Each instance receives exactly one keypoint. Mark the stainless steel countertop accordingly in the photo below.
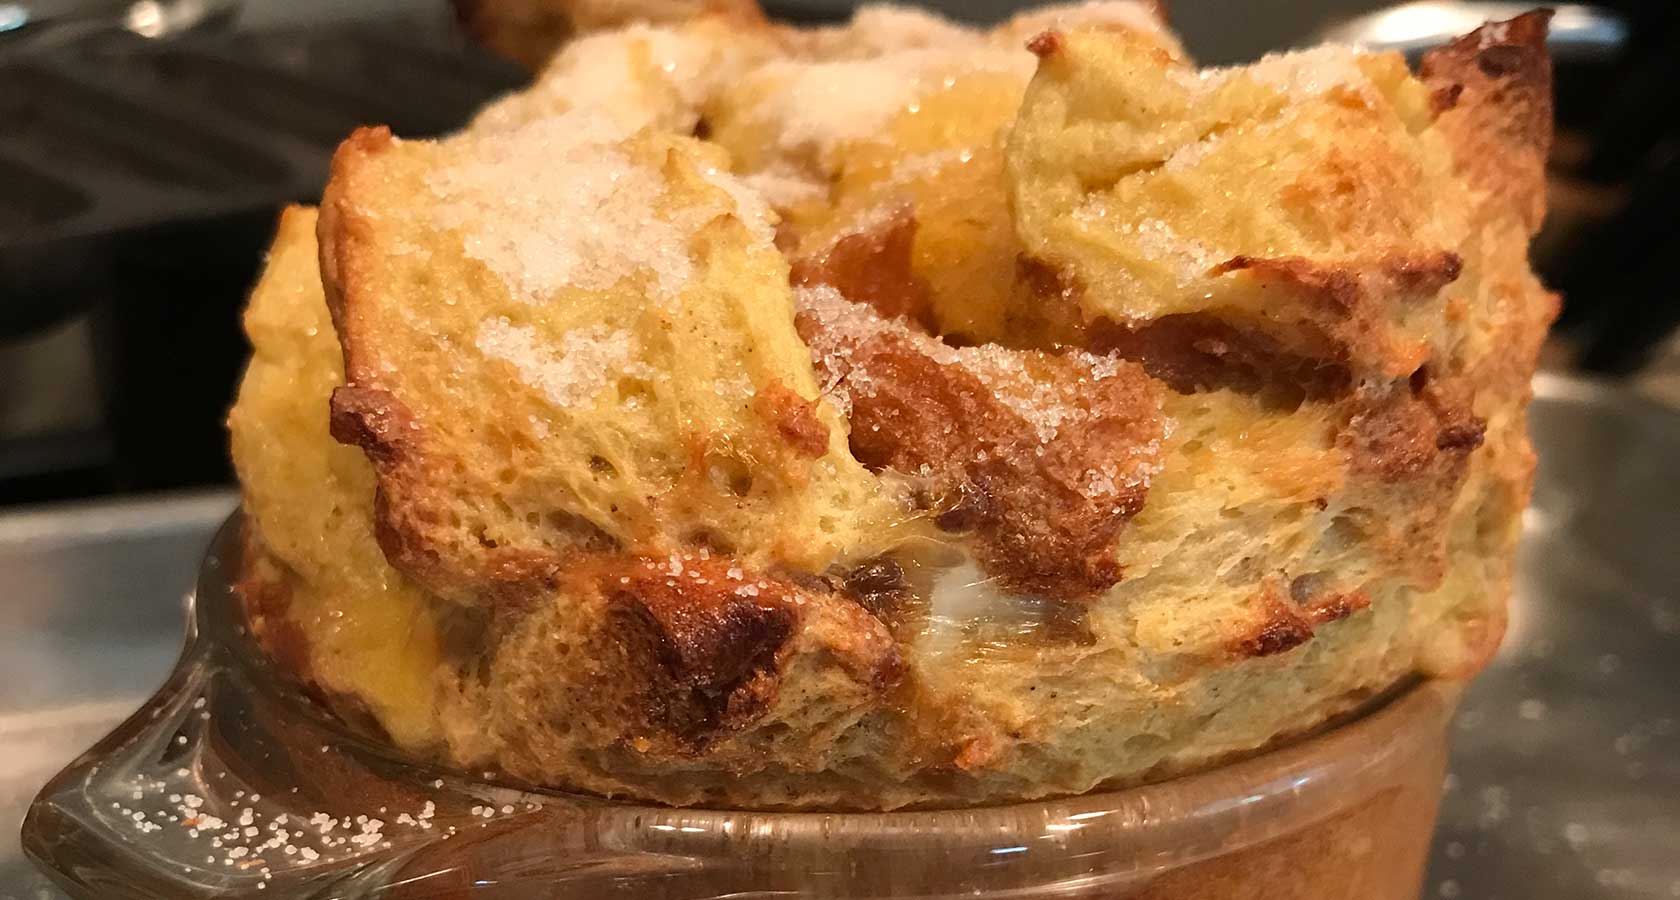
(1566, 766)
(91, 619)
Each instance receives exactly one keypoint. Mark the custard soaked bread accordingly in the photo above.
(912, 415)
(557, 340)
(883, 150)
(320, 593)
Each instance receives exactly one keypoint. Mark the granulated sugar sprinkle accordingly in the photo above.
(816, 107)
(1045, 405)
(563, 202)
(571, 370)
(261, 841)
(558, 203)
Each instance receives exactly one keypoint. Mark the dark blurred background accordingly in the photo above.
(145, 147)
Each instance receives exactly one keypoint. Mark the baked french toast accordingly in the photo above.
(902, 414)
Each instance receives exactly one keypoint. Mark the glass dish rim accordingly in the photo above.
(219, 621)
(1174, 822)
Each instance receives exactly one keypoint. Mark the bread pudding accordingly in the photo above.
(902, 413)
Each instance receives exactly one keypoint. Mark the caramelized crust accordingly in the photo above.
(375, 421)
(1041, 485)
(1299, 199)
(1195, 352)
(1499, 125)
(873, 265)
(1289, 617)
(1337, 314)
(1406, 435)
(662, 663)
(1343, 308)
(705, 640)
(1045, 44)
(1409, 452)
(1494, 87)
(794, 418)
(266, 592)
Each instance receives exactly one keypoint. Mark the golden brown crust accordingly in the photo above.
(1495, 101)
(337, 229)
(1194, 352)
(263, 588)
(707, 644)
(410, 529)
(1499, 126)
(1287, 617)
(1408, 454)
(1347, 306)
(691, 414)
(1403, 435)
(794, 418)
(1041, 503)
(1125, 178)
(1319, 325)
(1045, 44)
(1278, 628)
(375, 421)
(411, 519)
(873, 265)
(687, 662)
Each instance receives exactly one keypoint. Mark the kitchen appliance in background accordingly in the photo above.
(145, 149)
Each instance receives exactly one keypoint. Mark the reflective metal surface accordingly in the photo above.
(1566, 764)
(1566, 753)
(51, 22)
(90, 622)
(1578, 30)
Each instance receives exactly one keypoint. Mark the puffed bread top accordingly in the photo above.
(903, 414)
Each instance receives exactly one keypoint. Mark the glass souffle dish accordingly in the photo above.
(231, 782)
(903, 460)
